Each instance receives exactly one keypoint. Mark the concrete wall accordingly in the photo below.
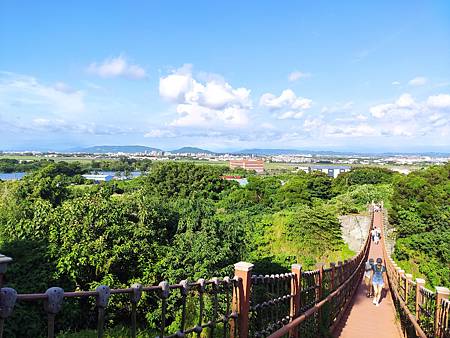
(354, 230)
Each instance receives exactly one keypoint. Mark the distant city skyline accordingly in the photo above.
(353, 76)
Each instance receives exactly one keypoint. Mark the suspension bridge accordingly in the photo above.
(319, 303)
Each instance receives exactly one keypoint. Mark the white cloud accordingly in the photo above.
(361, 117)
(400, 130)
(338, 108)
(380, 110)
(287, 99)
(23, 90)
(296, 75)
(201, 116)
(403, 107)
(213, 102)
(418, 81)
(353, 131)
(290, 114)
(117, 67)
(407, 117)
(63, 126)
(405, 101)
(395, 83)
(64, 87)
(159, 133)
(312, 124)
(439, 101)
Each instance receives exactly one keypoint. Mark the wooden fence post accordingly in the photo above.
(441, 293)
(241, 298)
(333, 268)
(345, 269)
(320, 289)
(296, 287)
(4, 260)
(400, 273)
(419, 283)
(408, 281)
(319, 294)
(339, 274)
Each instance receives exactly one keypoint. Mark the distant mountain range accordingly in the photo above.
(191, 150)
(256, 151)
(138, 149)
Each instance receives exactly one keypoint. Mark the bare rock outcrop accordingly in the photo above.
(354, 230)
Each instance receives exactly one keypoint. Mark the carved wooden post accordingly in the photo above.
(241, 298)
(333, 268)
(441, 293)
(296, 287)
(3, 266)
(419, 283)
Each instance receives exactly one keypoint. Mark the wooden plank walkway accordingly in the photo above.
(363, 319)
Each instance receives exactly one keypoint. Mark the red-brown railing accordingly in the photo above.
(423, 313)
(301, 303)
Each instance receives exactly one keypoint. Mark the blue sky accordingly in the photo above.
(353, 75)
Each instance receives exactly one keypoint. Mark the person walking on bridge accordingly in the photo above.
(377, 236)
(368, 277)
(378, 280)
(373, 233)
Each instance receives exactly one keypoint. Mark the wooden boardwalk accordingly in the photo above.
(363, 319)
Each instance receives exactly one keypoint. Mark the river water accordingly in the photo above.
(20, 175)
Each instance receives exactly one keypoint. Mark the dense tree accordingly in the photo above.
(363, 175)
(421, 216)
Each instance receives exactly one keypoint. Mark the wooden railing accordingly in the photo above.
(317, 299)
(423, 313)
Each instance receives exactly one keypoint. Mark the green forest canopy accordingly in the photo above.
(182, 220)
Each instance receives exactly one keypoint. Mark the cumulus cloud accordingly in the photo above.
(207, 103)
(404, 107)
(405, 101)
(418, 81)
(296, 75)
(439, 101)
(287, 99)
(395, 83)
(117, 67)
(406, 117)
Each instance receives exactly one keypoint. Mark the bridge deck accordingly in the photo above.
(364, 319)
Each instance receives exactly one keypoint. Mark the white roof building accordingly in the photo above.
(98, 177)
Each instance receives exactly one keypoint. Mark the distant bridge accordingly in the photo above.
(297, 304)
